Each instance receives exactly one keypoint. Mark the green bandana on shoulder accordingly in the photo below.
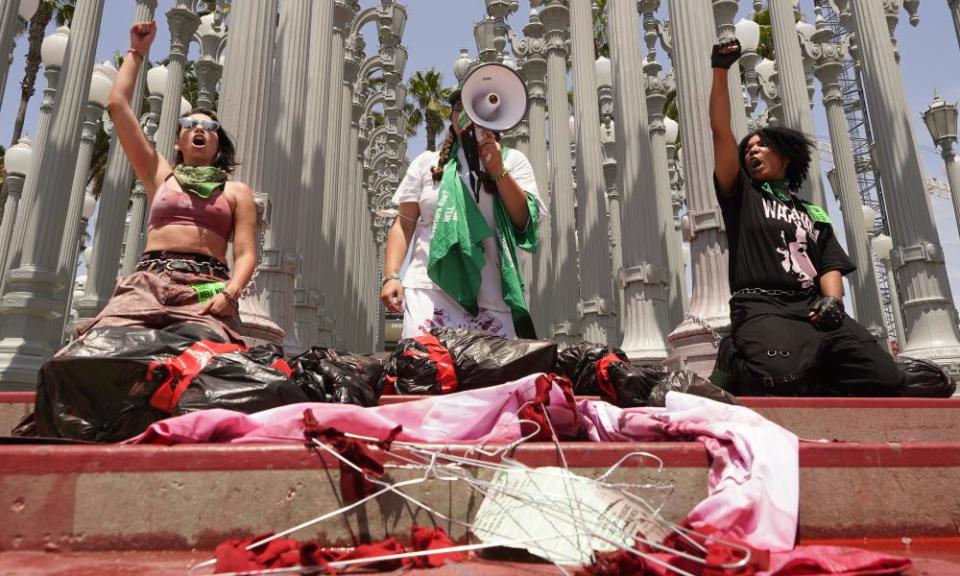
(200, 180)
(817, 213)
(456, 252)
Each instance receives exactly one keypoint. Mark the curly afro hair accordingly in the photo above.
(791, 144)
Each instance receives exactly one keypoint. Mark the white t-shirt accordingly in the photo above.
(418, 186)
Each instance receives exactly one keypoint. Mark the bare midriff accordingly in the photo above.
(187, 238)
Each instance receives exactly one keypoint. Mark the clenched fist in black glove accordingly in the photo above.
(725, 53)
(827, 313)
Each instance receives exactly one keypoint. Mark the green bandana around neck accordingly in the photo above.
(200, 180)
(456, 252)
(779, 189)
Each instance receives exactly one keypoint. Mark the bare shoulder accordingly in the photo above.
(239, 192)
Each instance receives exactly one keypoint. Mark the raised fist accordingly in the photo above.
(725, 53)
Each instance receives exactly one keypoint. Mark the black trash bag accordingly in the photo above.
(328, 375)
(687, 382)
(454, 359)
(96, 389)
(631, 383)
(925, 379)
(482, 359)
(578, 362)
(245, 381)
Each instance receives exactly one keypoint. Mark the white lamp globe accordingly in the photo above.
(157, 80)
(54, 47)
(748, 33)
(604, 72)
(869, 217)
(882, 246)
(672, 129)
(89, 205)
(185, 107)
(18, 157)
(100, 86)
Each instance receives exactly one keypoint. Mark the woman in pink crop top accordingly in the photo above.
(195, 211)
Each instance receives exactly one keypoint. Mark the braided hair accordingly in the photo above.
(489, 185)
(445, 149)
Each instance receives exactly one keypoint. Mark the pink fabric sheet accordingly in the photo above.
(754, 473)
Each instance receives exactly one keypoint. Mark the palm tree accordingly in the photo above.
(601, 45)
(430, 98)
(61, 11)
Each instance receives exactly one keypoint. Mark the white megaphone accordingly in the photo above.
(494, 97)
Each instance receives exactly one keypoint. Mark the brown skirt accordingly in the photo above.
(161, 294)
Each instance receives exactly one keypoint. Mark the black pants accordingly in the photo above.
(774, 350)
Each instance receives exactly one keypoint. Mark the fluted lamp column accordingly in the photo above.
(793, 88)
(645, 308)
(929, 312)
(100, 85)
(863, 282)
(134, 234)
(52, 53)
(29, 305)
(11, 13)
(16, 162)
(211, 37)
(246, 98)
(955, 13)
(694, 341)
(115, 198)
(597, 306)
(278, 268)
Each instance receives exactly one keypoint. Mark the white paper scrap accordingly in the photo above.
(571, 516)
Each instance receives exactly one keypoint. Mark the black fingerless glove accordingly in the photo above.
(829, 311)
(725, 60)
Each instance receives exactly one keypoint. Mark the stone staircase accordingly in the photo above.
(873, 469)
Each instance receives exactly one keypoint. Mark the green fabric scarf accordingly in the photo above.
(779, 189)
(456, 252)
(200, 180)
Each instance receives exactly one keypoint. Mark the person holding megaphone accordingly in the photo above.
(466, 210)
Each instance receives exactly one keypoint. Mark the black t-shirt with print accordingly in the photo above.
(776, 245)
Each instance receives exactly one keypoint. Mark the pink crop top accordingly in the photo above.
(172, 206)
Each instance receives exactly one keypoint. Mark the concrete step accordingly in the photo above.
(849, 419)
(929, 559)
(186, 497)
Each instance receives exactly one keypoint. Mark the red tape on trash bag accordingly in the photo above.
(179, 371)
(442, 359)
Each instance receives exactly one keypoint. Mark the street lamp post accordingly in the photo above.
(115, 198)
(89, 206)
(863, 283)
(12, 11)
(17, 164)
(133, 239)
(556, 20)
(748, 33)
(29, 303)
(211, 36)
(100, 85)
(52, 52)
(928, 308)
(941, 121)
(599, 318)
(694, 341)
(882, 246)
(641, 276)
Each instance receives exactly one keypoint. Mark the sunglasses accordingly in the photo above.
(191, 123)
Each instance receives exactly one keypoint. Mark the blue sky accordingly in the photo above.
(437, 29)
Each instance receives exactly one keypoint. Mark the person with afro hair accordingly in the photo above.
(790, 335)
